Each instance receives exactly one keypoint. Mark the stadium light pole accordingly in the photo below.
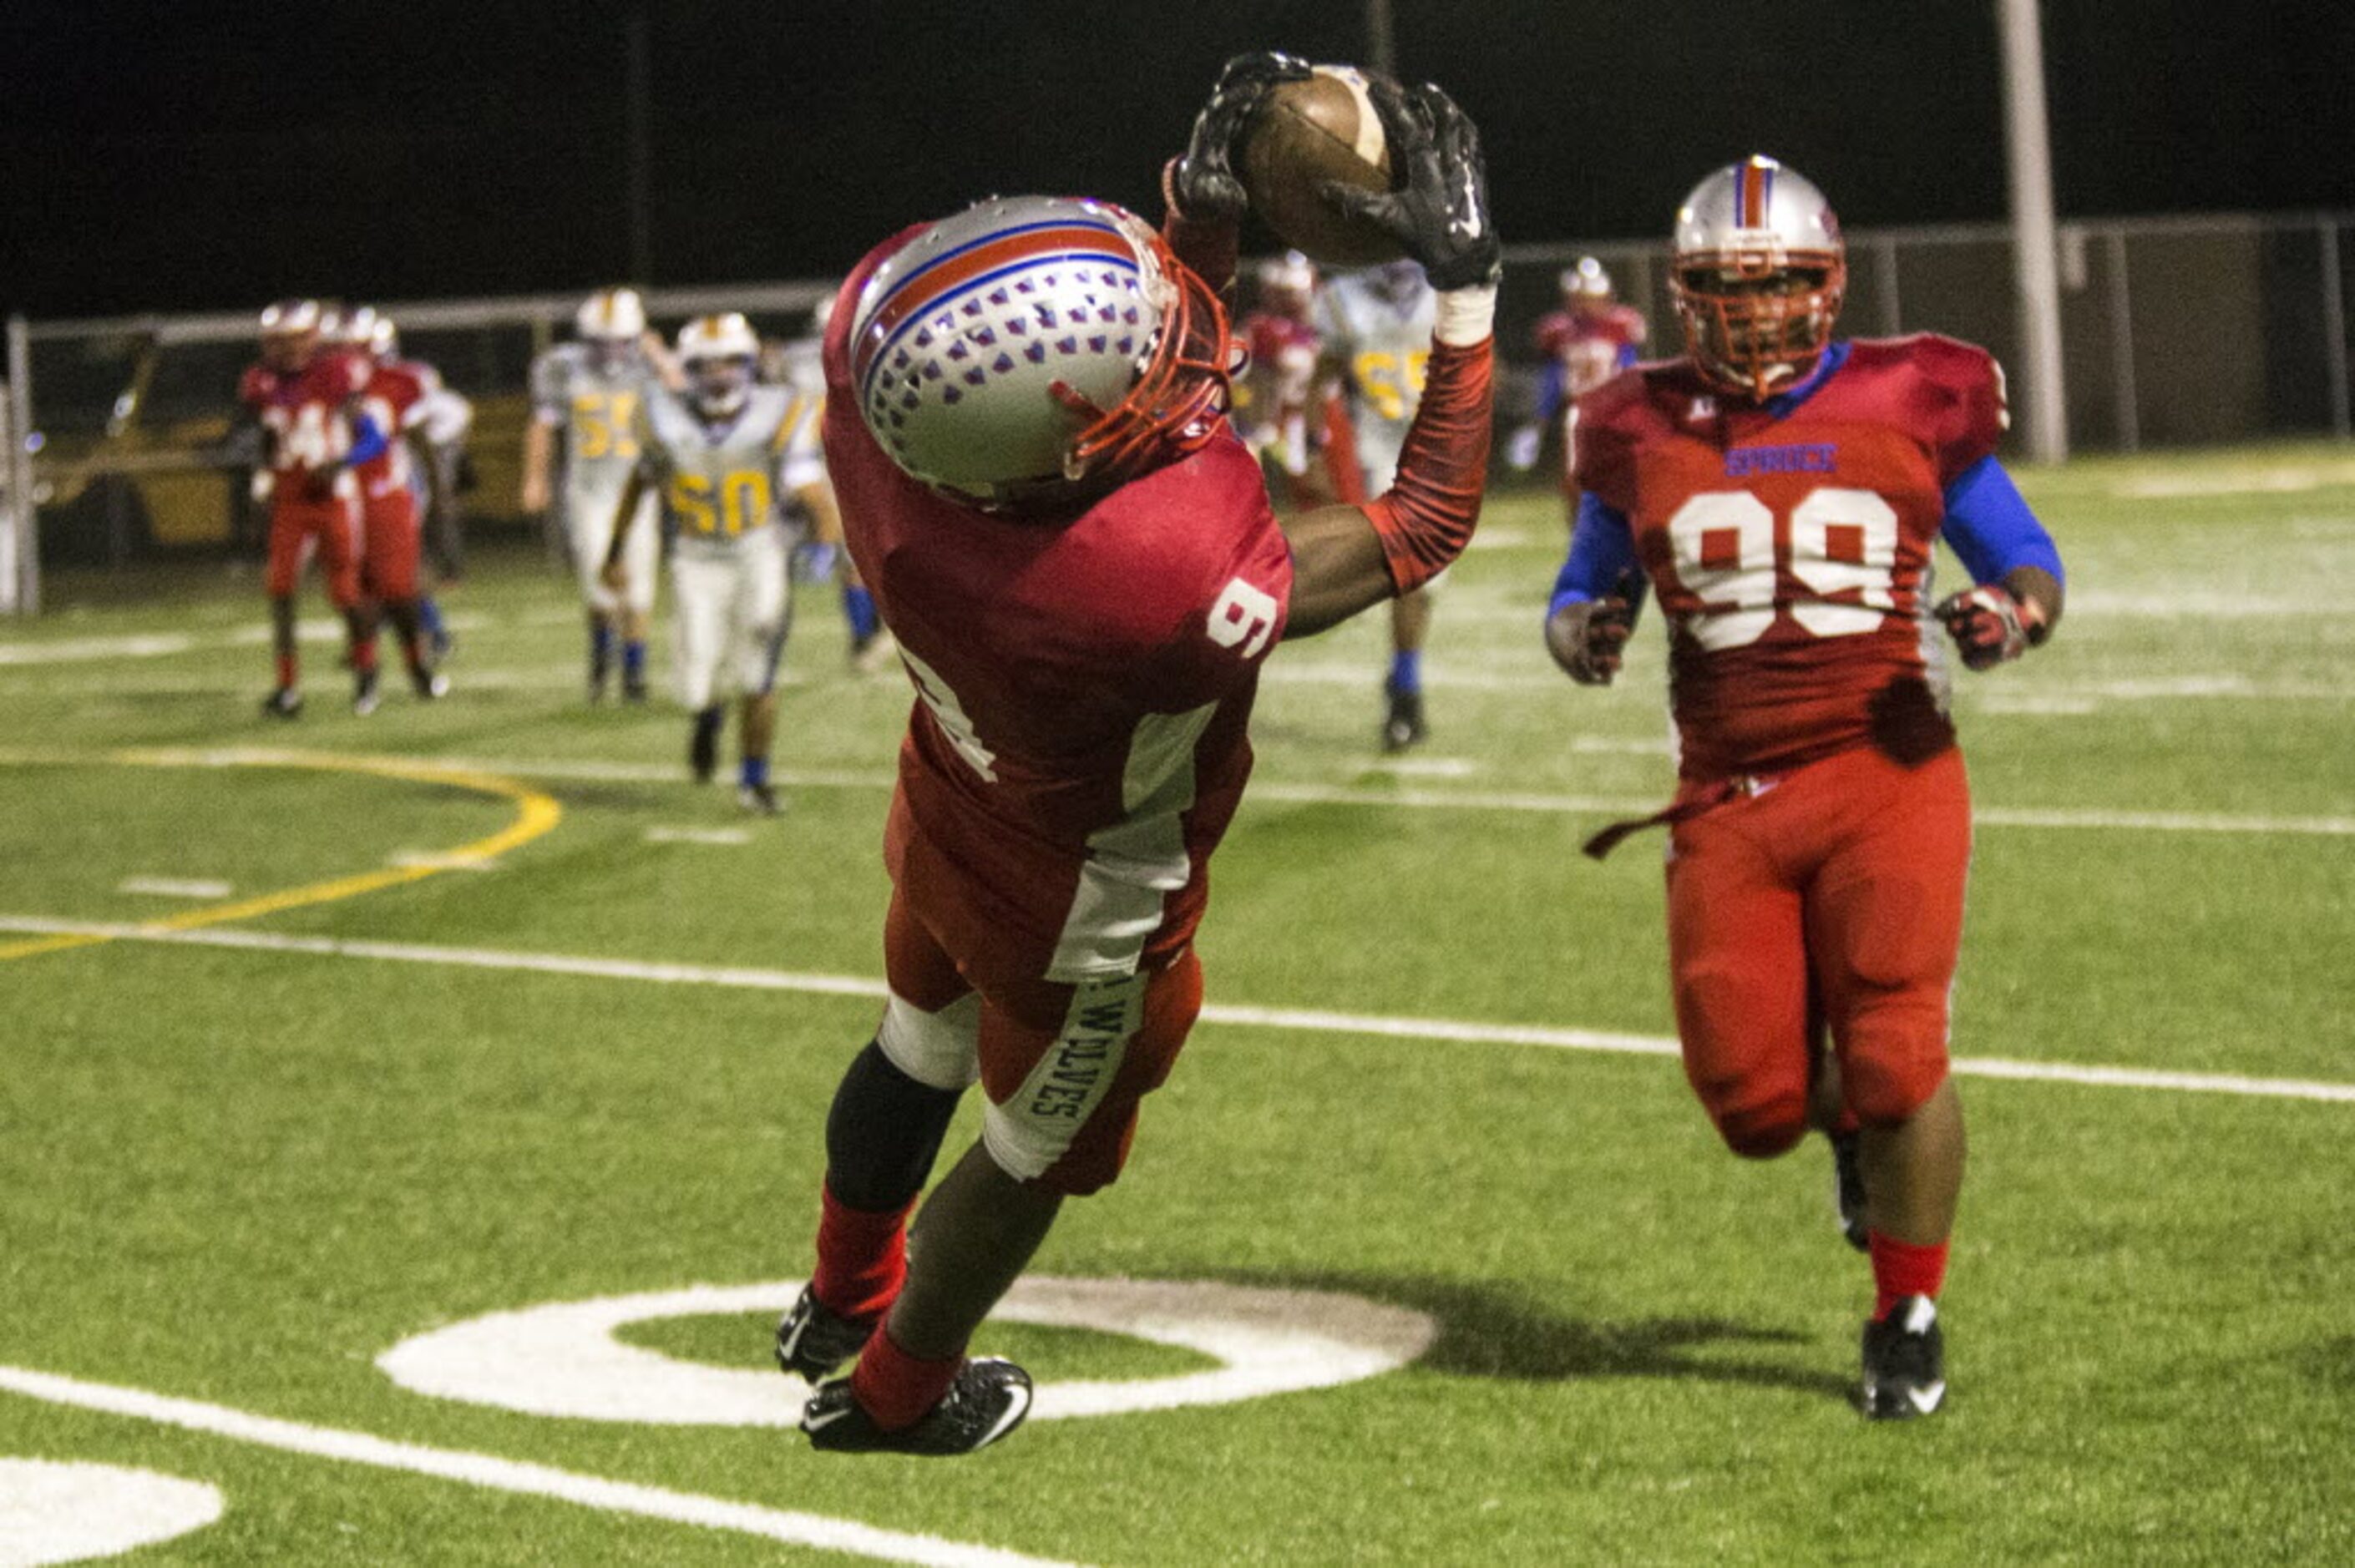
(2034, 235)
(21, 543)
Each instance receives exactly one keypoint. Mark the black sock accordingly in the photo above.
(883, 1132)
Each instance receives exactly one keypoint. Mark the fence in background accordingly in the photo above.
(2176, 331)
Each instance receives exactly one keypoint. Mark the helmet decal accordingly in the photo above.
(1030, 347)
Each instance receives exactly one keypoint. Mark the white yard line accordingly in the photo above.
(715, 836)
(1265, 789)
(1305, 1019)
(174, 886)
(517, 1475)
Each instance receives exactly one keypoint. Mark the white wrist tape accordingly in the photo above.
(1465, 317)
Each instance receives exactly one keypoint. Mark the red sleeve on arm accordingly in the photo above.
(1207, 248)
(1971, 413)
(1425, 518)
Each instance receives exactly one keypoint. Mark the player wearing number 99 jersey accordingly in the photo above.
(1783, 494)
(1025, 427)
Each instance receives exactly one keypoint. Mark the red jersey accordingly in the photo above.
(1085, 685)
(258, 386)
(1591, 347)
(1282, 366)
(394, 391)
(1791, 551)
(306, 413)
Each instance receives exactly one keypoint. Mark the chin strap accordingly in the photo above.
(1426, 516)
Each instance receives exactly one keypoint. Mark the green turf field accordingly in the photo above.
(325, 1036)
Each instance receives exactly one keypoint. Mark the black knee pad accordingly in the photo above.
(883, 1132)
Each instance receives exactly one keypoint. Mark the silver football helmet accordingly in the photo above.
(1032, 351)
(1587, 282)
(1757, 269)
(610, 315)
(719, 353)
(1287, 283)
(289, 330)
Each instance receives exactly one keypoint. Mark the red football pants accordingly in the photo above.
(1832, 901)
(295, 521)
(1065, 1066)
(394, 543)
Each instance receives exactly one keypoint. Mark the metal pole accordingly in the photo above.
(2334, 327)
(1381, 50)
(637, 92)
(20, 537)
(1891, 316)
(2029, 138)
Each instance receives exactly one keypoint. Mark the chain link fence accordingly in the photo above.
(2176, 331)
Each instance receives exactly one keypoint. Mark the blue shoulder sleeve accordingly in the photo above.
(369, 442)
(1990, 527)
(1602, 551)
(1554, 385)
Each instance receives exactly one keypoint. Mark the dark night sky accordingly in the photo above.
(157, 157)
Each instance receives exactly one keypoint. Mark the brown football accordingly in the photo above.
(1321, 128)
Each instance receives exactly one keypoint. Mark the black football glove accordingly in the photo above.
(1204, 181)
(1989, 625)
(1438, 212)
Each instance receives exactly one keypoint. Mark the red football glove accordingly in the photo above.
(1989, 625)
(1587, 639)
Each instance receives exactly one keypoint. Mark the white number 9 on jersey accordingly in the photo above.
(1243, 617)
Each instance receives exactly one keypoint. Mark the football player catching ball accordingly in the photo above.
(1780, 492)
(1026, 425)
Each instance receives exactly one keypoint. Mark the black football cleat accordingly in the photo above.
(634, 688)
(813, 1338)
(988, 1399)
(430, 684)
(1904, 1362)
(365, 697)
(759, 799)
(1403, 725)
(1848, 1189)
(286, 703)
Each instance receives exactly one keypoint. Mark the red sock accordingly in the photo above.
(1901, 1270)
(363, 655)
(862, 1257)
(897, 1388)
(289, 671)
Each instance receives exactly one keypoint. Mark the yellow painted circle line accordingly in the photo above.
(536, 814)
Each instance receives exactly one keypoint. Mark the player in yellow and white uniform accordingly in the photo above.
(740, 477)
(1374, 330)
(590, 395)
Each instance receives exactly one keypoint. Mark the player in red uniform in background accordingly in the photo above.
(1783, 494)
(308, 396)
(390, 529)
(1285, 414)
(1590, 339)
(1025, 428)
